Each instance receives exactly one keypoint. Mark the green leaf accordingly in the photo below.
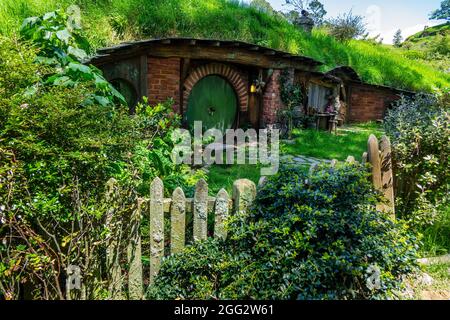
(102, 100)
(79, 54)
(64, 81)
(21, 247)
(100, 82)
(49, 15)
(29, 22)
(46, 60)
(118, 95)
(64, 35)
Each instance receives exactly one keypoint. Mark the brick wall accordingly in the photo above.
(272, 98)
(164, 80)
(369, 102)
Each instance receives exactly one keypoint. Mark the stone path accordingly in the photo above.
(285, 159)
(302, 160)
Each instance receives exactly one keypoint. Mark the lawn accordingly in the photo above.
(350, 140)
(223, 176)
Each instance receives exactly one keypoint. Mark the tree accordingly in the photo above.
(398, 38)
(314, 7)
(347, 26)
(443, 12)
(292, 16)
(317, 12)
(299, 5)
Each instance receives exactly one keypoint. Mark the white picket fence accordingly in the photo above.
(244, 191)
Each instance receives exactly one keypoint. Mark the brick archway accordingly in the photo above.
(228, 72)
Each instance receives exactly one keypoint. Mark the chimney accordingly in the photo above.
(305, 22)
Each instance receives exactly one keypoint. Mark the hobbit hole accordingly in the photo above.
(230, 84)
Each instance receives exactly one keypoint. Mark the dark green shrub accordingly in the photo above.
(199, 272)
(419, 129)
(63, 135)
(307, 237)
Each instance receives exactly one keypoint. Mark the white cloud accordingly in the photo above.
(406, 32)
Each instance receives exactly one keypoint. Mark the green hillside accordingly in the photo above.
(428, 36)
(107, 22)
(430, 46)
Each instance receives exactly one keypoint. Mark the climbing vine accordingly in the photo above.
(292, 97)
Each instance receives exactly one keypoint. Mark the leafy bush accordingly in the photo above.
(153, 156)
(307, 237)
(436, 238)
(420, 129)
(63, 135)
(347, 26)
(199, 272)
(292, 96)
(57, 154)
(62, 45)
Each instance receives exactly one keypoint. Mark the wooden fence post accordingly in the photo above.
(135, 284)
(364, 158)
(113, 241)
(221, 214)
(156, 227)
(201, 210)
(351, 159)
(244, 192)
(333, 163)
(374, 159)
(177, 221)
(382, 176)
(387, 177)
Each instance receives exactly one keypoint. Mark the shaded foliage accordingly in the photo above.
(420, 129)
(307, 237)
(60, 143)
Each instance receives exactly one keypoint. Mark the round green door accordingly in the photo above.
(212, 101)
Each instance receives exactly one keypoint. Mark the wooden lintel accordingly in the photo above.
(206, 52)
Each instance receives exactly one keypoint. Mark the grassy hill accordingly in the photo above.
(428, 36)
(107, 22)
(430, 46)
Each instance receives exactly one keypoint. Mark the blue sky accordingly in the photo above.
(383, 16)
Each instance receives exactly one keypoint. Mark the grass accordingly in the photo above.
(439, 289)
(223, 176)
(428, 34)
(350, 141)
(431, 46)
(436, 238)
(108, 22)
